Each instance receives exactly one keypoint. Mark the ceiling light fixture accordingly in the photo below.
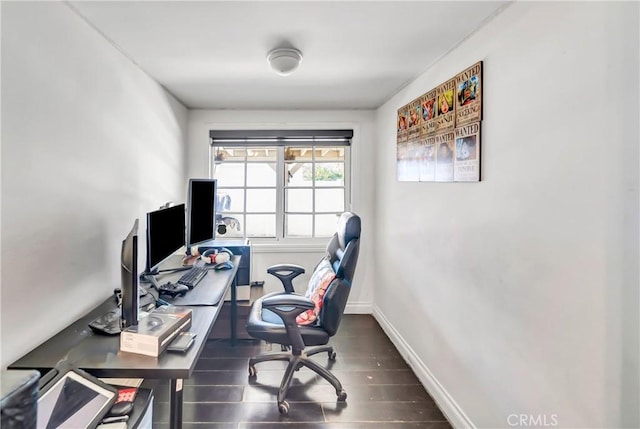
(284, 61)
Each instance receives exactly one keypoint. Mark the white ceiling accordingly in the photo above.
(212, 54)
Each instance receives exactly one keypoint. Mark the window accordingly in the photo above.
(281, 184)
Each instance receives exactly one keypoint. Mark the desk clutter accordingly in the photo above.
(111, 322)
(170, 229)
(153, 334)
(67, 397)
(148, 319)
(120, 411)
(100, 354)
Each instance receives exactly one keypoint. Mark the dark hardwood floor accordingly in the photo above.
(383, 392)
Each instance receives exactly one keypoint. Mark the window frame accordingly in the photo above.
(281, 187)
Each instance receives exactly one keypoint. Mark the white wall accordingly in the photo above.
(519, 294)
(362, 190)
(89, 143)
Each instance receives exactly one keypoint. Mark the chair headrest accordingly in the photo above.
(348, 228)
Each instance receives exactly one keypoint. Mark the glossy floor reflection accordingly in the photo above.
(383, 392)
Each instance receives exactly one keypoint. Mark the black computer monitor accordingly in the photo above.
(201, 211)
(165, 235)
(129, 277)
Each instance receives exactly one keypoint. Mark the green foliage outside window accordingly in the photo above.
(324, 174)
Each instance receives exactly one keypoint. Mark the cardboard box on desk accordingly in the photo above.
(154, 333)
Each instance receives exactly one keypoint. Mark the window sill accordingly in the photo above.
(279, 247)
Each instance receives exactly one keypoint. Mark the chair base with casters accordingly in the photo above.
(274, 317)
(295, 363)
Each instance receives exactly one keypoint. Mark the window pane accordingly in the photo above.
(261, 200)
(262, 154)
(261, 225)
(329, 200)
(299, 174)
(329, 153)
(326, 225)
(230, 174)
(232, 222)
(315, 185)
(261, 174)
(221, 153)
(329, 174)
(230, 200)
(299, 200)
(299, 225)
(298, 154)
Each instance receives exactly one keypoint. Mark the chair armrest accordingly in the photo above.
(288, 307)
(286, 273)
(288, 300)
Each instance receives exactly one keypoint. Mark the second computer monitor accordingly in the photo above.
(129, 277)
(201, 211)
(165, 234)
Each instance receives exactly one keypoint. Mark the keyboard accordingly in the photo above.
(192, 277)
(108, 323)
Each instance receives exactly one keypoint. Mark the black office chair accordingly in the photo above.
(273, 317)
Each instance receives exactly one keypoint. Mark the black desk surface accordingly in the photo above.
(200, 295)
(100, 355)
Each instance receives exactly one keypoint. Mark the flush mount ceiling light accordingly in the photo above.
(284, 61)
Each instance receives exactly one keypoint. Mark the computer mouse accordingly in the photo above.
(223, 266)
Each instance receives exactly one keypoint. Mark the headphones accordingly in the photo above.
(216, 256)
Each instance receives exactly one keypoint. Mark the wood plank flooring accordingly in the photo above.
(383, 392)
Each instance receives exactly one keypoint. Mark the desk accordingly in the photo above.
(100, 355)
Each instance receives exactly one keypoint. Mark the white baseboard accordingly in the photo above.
(358, 307)
(446, 403)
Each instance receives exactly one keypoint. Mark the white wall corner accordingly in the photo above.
(449, 407)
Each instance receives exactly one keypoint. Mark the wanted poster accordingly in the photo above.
(427, 106)
(412, 161)
(428, 159)
(445, 106)
(444, 156)
(403, 123)
(401, 165)
(469, 95)
(415, 114)
(467, 153)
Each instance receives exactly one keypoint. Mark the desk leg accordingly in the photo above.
(175, 404)
(234, 311)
